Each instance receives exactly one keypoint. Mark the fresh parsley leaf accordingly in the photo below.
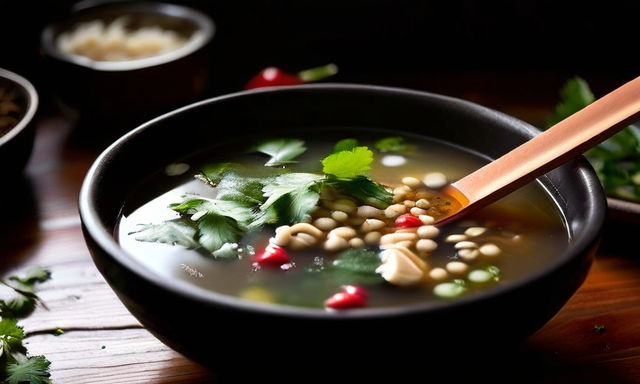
(574, 96)
(345, 145)
(11, 335)
(35, 274)
(282, 151)
(241, 188)
(238, 211)
(215, 230)
(365, 190)
(392, 144)
(355, 266)
(292, 195)
(348, 164)
(34, 370)
(175, 232)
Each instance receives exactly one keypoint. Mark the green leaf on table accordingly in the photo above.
(348, 164)
(11, 335)
(365, 190)
(392, 144)
(34, 370)
(16, 295)
(35, 274)
(574, 96)
(282, 151)
(355, 266)
(179, 231)
(345, 145)
(292, 195)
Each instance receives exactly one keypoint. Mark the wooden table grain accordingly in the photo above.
(103, 343)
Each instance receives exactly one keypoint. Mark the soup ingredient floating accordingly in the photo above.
(273, 77)
(115, 42)
(361, 233)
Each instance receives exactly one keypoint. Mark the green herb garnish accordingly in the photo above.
(246, 202)
(282, 151)
(15, 366)
(355, 266)
(348, 164)
(33, 370)
(392, 144)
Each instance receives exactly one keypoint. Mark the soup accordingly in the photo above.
(334, 223)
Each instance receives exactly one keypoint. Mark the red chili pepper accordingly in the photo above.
(273, 77)
(272, 256)
(355, 289)
(345, 300)
(408, 221)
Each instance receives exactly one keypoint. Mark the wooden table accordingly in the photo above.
(103, 343)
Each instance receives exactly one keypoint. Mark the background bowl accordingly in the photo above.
(214, 329)
(17, 143)
(132, 90)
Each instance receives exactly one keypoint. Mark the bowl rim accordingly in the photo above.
(204, 34)
(104, 238)
(32, 104)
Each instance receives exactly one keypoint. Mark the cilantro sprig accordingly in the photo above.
(246, 199)
(18, 300)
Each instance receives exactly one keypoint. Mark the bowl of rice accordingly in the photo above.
(127, 60)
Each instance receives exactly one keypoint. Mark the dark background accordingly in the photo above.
(386, 41)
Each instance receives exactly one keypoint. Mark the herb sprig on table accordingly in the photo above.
(17, 300)
(247, 200)
(617, 159)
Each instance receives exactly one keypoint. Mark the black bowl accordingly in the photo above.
(17, 143)
(215, 329)
(131, 90)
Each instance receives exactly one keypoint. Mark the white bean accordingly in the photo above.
(356, 242)
(372, 238)
(468, 254)
(344, 232)
(368, 212)
(457, 267)
(343, 206)
(426, 245)
(465, 244)
(355, 221)
(427, 231)
(435, 180)
(395, 210)
(475, 231)
(339, 216)
(325, 223)
(415, 211)
(306, 228)
(409, 203)
(456, 238)
(490, 249)
(372, 225)
(423, 203)
(335, 243)
(411, 182)
(298, 243)
(392, 238)
(399, 269)
(407, 252)
(426, 219)
(310, 239)
(438, 274)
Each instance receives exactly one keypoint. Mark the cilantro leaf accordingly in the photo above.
(292, 195)
(345, 145)
(348, 164)
(282, 151)
(392, 144)
(365, 190)
(235, 210)
(175, 232)
(215, 230)
(15, 304)
(34, 370)
(241, 188)
(35, 274)
(11, 335)
(212, 174)
(575, 95)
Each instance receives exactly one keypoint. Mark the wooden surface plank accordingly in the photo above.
(46, 231)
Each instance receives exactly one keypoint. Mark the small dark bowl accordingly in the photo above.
(17, 143)
(130, 90)
(215, 329)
